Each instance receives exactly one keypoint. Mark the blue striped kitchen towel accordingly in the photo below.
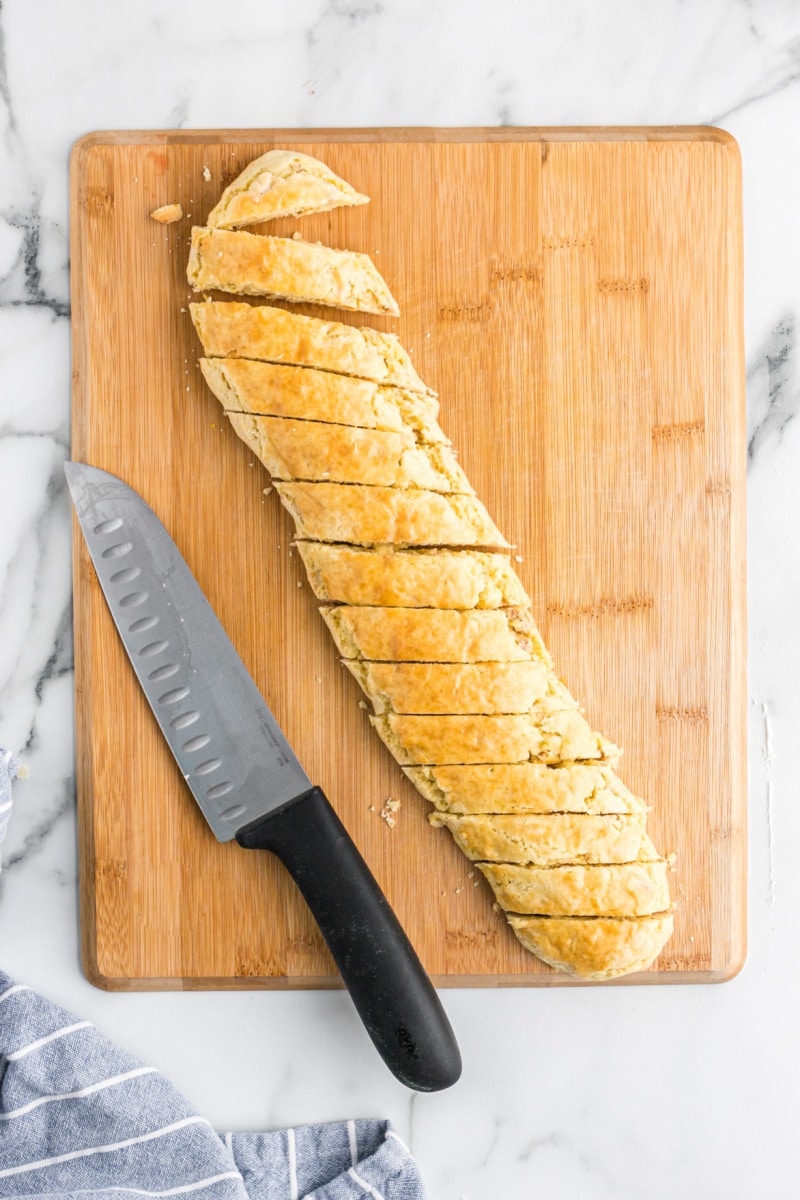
(81, 1118)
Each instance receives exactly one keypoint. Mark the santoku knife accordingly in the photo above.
(245, 777)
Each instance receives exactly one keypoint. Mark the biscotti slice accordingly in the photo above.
(549, 841)
(440, 740)
(435, 635)
(493, 687)
(384, 576)
(594, 948)
(336, 512)
(524, 788)
(315, 450)
(272, 390)
(631, 889)
(252, 264)
(230, 329)
(281, 183)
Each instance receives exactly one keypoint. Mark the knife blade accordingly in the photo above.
(246, 778)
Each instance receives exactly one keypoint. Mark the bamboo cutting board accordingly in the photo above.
(575, 297)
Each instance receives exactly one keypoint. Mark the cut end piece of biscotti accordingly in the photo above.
(252, 264)
(441, 740)
(307, 394)
(550, 840)
(491, 687)
(365, 515)
(525, 787)
(320, 451)
(435, 635)
(385, 576)
(631, 889)
(594, 948)
(281, 183)
(232, 329)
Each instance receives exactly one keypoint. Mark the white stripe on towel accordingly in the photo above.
(181, 1189)
(17, 987)
(362, 1183)
(108, 1149)
(292, 1149)
(86, 1091)
(51, 1037)
(391, 1133)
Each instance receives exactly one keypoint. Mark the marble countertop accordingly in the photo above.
(595, 1093)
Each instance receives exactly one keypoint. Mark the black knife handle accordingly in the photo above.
(389, 987)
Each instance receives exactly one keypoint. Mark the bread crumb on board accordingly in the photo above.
(388, 811)
(167, 213)
(207, 174)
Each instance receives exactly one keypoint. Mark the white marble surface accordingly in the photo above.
(627, 1092)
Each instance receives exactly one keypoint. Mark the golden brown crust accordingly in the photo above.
(594, 948)
(361, 515)
(252, 264)
(435, 635)
(633, 889)
(464, 696)
(524, 787)
(440, 740)
(551, 840)
(167, 214)
(281, 183)
(491, 687)
(231, 329)
(411, 578)
(316, 450)
(273, 390)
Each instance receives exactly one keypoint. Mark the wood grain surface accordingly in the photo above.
(575, 297)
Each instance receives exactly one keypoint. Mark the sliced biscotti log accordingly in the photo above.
(440, 740)
(384, 576)
(435, 635)
(281, 183)
(550, 840)
(230, 329)
(341, 512)
(252, 264)
(525, 788)
(273, 390)
(491, 687)
(316, 450)
(594, 948)
(631, 889)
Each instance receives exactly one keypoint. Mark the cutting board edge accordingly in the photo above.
(449, 982)
(736, 958)
(405, 133)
